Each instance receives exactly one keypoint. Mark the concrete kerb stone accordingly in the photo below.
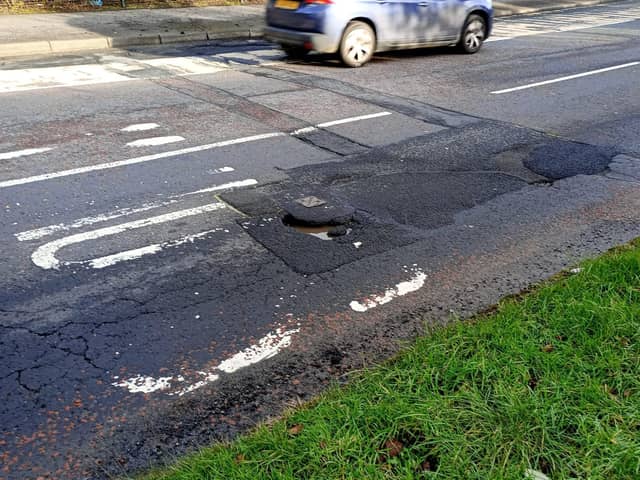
(138, 40)
(24, 48)
(63, 46)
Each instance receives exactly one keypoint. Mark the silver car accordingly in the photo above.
(356, 29)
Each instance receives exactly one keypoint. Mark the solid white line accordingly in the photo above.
(352, 119)
(140, 127)
(570, 77)
(303, 130)
(23, 153)
(153, 141)
(224, 186)
(44, 256)
(41, 232)
(132, 161)
(109, 260)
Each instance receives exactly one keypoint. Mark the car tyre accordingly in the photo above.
(358, 44)
(473, 35)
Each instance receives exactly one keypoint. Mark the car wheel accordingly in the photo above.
(358, 44)
(473, 34)
(294, 52)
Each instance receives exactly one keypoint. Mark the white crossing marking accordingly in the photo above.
(24, 153)
(44, 256)
(553, 22)
(155, 141)
(139, 127)
(564, 79)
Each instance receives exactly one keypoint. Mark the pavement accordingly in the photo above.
(61, 33)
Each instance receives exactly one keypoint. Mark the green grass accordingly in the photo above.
(549, 381)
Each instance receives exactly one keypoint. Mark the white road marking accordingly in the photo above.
(136, 160)
(41, 232)
(352, 119)
(300, 131)
(94, 74)
(267, 347)
(109, 260)
(186, 65)
(240, 183)
(173, 153)
(139, 127)
(153, 141)
(24, 153)
(52, 77)
(144, 384)
(553, 22)
(564, 79)
(44, 256)
(402, 288)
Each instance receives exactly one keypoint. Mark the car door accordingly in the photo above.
(401, 22)
(445, 19)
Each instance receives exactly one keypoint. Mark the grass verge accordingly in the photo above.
(548, 382)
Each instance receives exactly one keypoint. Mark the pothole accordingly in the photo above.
(323, 232)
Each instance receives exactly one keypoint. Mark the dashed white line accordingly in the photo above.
(139, 127)
(44, 256)
(174, 153)
(154, 141)
(24, 153)
(564, 79)
(136, 160)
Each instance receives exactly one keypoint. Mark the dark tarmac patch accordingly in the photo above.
(308, 254)
(561, 159)
(426, 200)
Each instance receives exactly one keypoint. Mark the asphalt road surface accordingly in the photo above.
(156, 294)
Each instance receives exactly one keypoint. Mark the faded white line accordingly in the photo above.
(144, 384)
(136, 160)
(402, 288)
(41, 232)
(353, 119)
(300, 131)
(155, 141)
(44, 256)
(267, 347)
(564, 79)
(184, 151)
(139, 127)
(240, 183)
(109, 260)
(24, 153)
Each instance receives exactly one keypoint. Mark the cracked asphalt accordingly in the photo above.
(159, 304)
